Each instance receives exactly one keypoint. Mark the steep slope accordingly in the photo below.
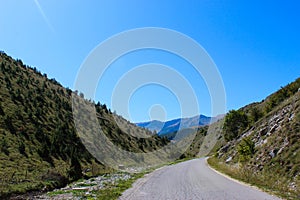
(261, 142)
(39, 145)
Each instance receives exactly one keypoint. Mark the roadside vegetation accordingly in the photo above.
(110, 187)
(268, 181)
(261, 143)
(105, 187)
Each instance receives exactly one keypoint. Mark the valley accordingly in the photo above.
(137, 100)
(41, 150)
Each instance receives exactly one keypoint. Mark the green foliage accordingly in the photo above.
(9, 124)
(246, 149)
(75, 171)
(196, 144)
(255, 115)
(266, 180)
(4, 146)
(22, 148)
(1, 110)
(298, 117)
(37, 131)
(281, 95)
(274, 163)
(115, 191)
(235, 123)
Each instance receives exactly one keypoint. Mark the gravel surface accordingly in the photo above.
(84, 186)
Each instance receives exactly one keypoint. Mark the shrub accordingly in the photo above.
(235, 123)
(246, 149)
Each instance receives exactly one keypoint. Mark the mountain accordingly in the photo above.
(260, 142)
(163, 128)
(40, 147)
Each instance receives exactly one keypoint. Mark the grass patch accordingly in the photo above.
(115, 191)
(265, 180)
(85, 184)
(57, 192)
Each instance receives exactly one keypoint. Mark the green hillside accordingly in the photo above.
(261, 143)
(39, 147)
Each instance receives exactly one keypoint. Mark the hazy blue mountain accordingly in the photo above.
(181, 123)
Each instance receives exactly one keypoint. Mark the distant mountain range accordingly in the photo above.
(181, 123)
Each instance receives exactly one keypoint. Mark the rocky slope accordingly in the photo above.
(267, 150)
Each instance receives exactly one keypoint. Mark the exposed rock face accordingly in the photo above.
(276, 137)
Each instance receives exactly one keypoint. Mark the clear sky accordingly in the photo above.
(255, 45)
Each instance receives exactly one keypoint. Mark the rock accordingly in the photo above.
(80, 188)
(291, 117)
(279, 120)
(220, 155)
(273, 153)
(228, 159)
(280, 150)
(92, 184)
(263, 131)
(265, 141)
(272, 130)
(87, 170)
(225, 148)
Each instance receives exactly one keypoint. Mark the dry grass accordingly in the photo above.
(267, 181)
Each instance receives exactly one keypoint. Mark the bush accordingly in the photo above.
(4, 146)
(246, 149)
(235, 123)
(255, 115)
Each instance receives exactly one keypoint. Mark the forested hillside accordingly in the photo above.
(39, 146)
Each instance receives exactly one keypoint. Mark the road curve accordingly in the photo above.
(191, 180)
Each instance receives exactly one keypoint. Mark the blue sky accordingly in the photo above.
(255, 45)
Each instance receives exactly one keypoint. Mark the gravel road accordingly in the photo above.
(191, 180)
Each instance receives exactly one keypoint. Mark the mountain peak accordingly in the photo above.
(180, 123)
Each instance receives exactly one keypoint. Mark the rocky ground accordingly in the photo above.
(82, 189)
(85, 188)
